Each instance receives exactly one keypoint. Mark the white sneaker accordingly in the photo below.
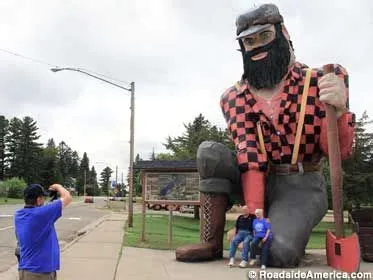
(243, 264)
(263, 266)
(252, 262)
(231, 262)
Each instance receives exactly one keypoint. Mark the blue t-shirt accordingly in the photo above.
(37, 238)
(261, 227)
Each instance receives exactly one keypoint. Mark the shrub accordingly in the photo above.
(14, 186)
(3, 190)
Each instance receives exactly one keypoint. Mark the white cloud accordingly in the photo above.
(181, 54)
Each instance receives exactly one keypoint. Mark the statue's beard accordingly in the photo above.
(268, 72)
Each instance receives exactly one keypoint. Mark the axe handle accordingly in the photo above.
(335, 162)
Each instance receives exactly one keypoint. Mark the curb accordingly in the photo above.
(120, 255)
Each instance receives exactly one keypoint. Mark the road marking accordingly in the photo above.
(6, 228)
(6, 216)
(73, 218)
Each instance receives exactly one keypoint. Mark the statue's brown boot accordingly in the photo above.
(213, 207)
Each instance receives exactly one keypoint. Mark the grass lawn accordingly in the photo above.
(11, 201)
(78, 198)
(21, 201)
(186, 231)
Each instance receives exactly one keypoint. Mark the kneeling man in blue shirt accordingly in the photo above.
(36, 235)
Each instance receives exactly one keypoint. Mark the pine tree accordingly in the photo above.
(30, 150)
(186, 146)
(23, 149)
(49, 169)
(105, 179)
(64, 163)
(83, 174)
(13, 144)
(92, 188)
(74, 167)
(358, 177)
(3, 132)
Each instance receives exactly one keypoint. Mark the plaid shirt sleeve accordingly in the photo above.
(346, 123)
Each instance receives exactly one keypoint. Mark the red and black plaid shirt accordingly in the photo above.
(242, 112)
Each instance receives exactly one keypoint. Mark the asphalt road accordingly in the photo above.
(75, 217)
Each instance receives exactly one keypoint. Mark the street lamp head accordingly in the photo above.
(56, 69)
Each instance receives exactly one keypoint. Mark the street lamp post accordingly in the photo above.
(132, 131)
(132, 142)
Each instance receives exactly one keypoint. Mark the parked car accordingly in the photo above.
(158, 207)
(186, 209)
(116, 198)
(88, 199)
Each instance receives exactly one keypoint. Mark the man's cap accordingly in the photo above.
(257, 19)
(34, 191)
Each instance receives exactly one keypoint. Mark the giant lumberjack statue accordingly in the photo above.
(276, 117)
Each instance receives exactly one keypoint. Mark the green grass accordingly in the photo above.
(317, 239)
(78, 198)
(11, 201)
(21, 201)
(186, 231)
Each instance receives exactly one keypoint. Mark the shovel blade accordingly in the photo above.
(343, 253)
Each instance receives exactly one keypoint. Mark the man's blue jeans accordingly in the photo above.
(242, 236)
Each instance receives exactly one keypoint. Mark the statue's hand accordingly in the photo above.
(333, 92)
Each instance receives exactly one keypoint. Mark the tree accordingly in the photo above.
(13, 140)
(3, 132)
(358, 177)
(137, 187)
(23, 149)
(137, 158)
(49, 171)
(92, 187)
(185, 147)
(105, 179)
(30, 150)
(21, 156)
(74, 167)
(164, 156)
(152, 155)
(14, 187)
(83, 174)
(65, 162)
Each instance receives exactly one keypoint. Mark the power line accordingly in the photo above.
(105, 76)
(28, 58)
(39, 61)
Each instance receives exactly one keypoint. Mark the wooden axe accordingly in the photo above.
(343, 253)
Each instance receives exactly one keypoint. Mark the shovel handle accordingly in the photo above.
(335, 162)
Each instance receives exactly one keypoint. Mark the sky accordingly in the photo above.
(181, 54)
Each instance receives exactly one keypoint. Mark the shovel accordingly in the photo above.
(342, 252)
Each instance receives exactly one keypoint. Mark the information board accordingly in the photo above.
(172, 187)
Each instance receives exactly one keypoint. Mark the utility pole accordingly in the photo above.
(116, 175)
(123, 193)
(85, 183)
(132, 127)
(108, 186)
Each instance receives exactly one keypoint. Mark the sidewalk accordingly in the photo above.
(145, 264)
(95, 256)
(92, 256)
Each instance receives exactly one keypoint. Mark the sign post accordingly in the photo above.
(170, 221)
